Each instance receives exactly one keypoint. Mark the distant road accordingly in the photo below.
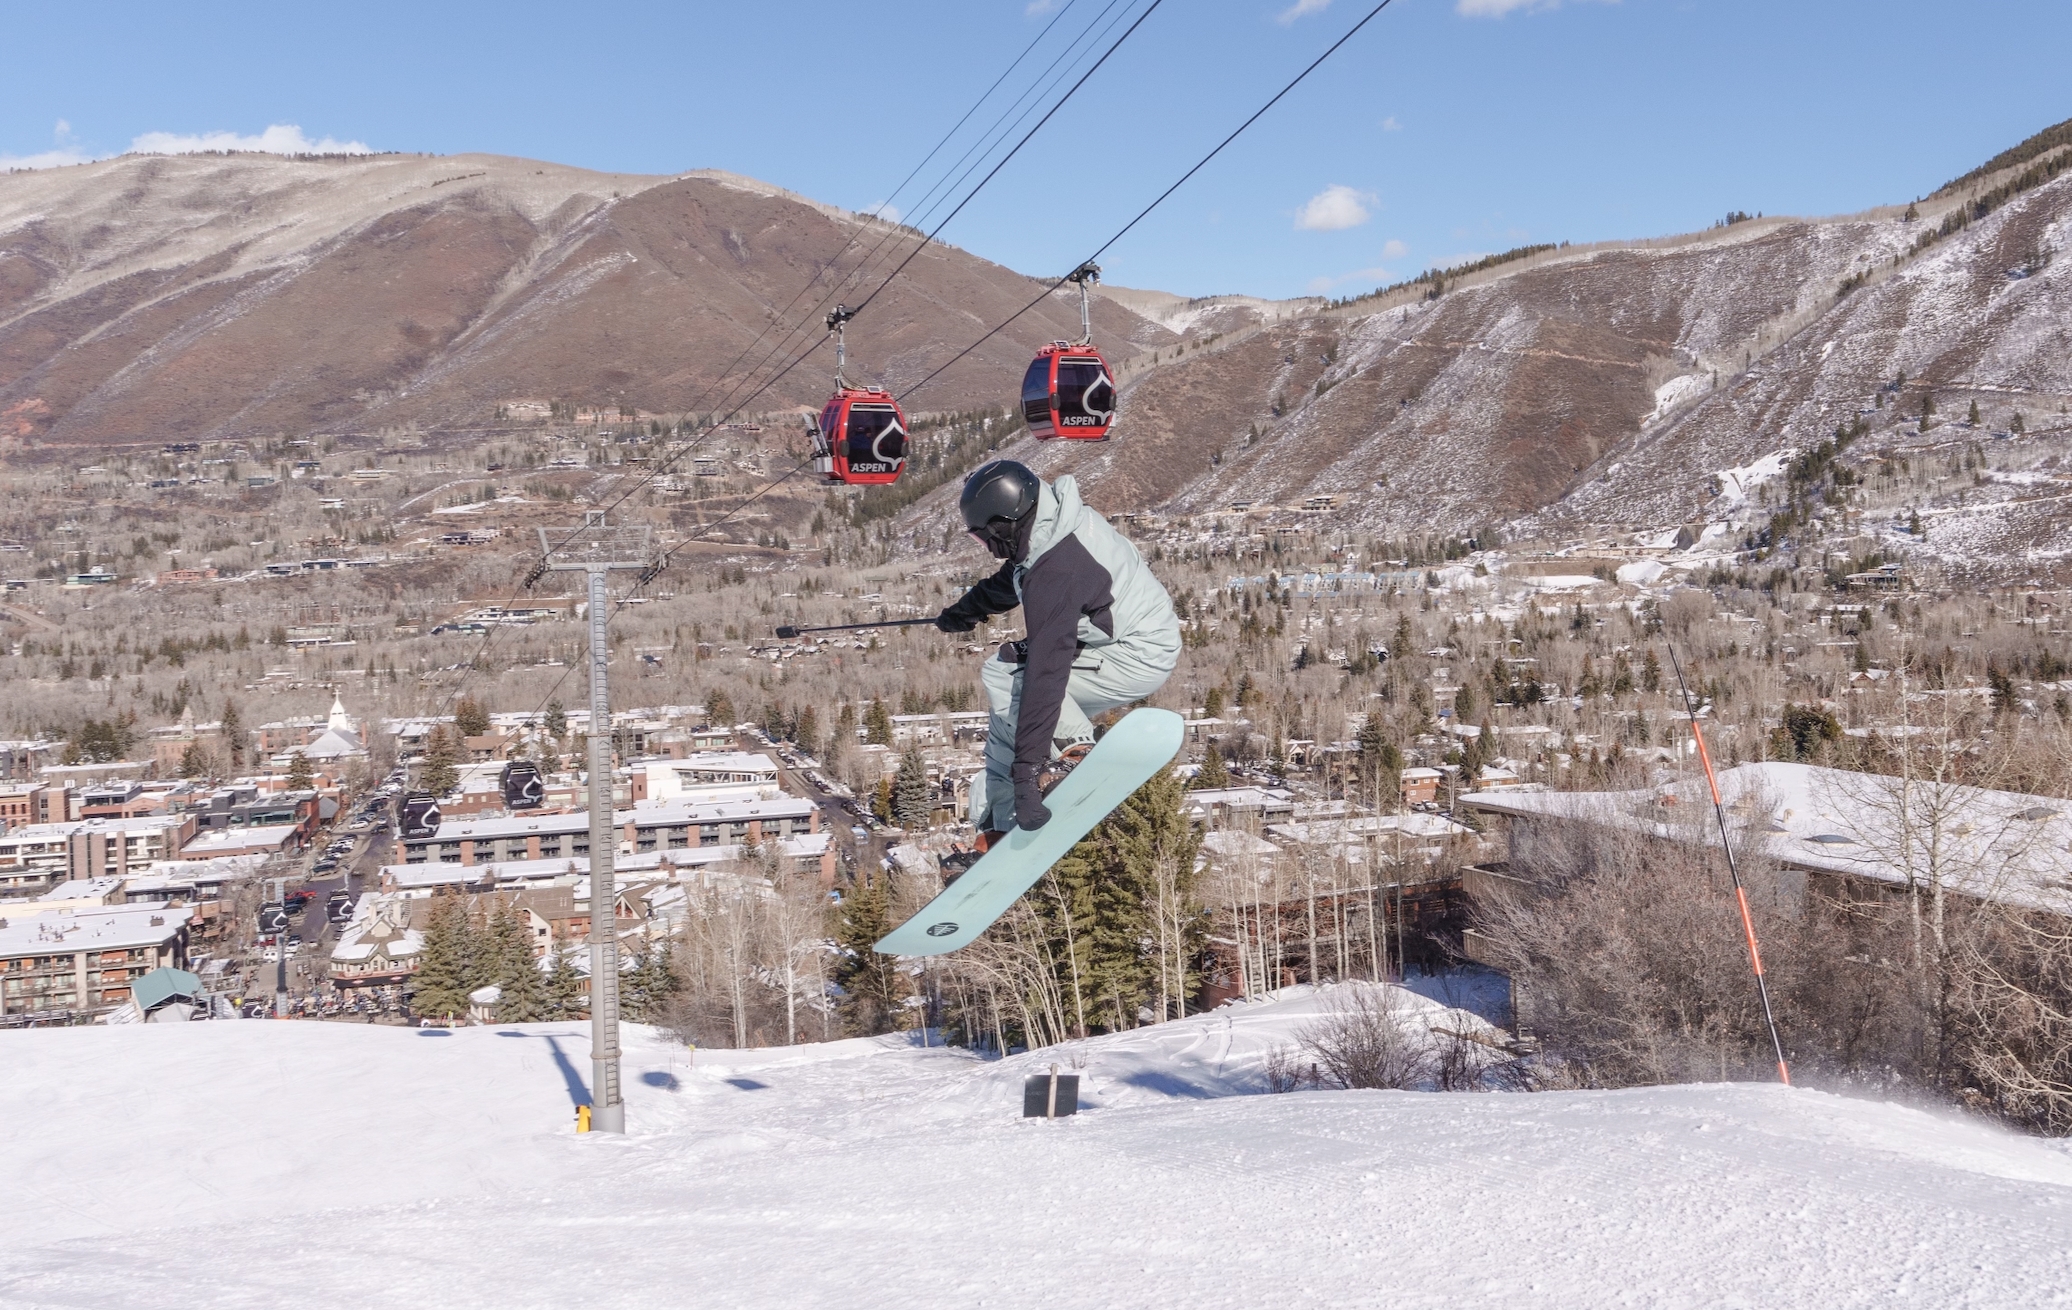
(30, 617)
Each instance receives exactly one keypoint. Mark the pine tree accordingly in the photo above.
(719, 709)
(881, 801)
(872, 985)
(1381, 763)
(1213, 775)
(194, 761)
(877, 724)
(507, 961)
(471, 717)
(1971, 418)
(1099, 902)
(1399, 645)
(808, 730)
(556, 721)
(1463, 703)
(568, 992)
(910, 792)
(1622, 674)
(442, 982)
(1474, 753)
(440, 773)
(301, 777)
(234, 733)
(1651, 673)
(648, 988)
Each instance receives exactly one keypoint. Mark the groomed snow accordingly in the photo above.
(267, 1164)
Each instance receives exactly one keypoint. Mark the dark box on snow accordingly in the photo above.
(1036, 1099)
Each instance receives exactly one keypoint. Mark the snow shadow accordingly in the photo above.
(1165, 1084)
(658, 1078)
(578, 1090)
(745, 1084)
(1480, 991)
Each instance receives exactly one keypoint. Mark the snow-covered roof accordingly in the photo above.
(1230, 843)
(674, 811)
(1338, 832)
(1999, 845)
(114, 927)
(224, 841)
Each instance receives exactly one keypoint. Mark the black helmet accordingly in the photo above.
(999, 505)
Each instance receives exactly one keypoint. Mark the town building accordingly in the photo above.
(1830, 825)
(83, 961)
(668, 825)
(35, 856)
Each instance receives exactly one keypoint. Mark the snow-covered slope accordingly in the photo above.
(262, 1164)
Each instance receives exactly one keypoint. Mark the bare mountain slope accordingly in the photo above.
(1609, 385)
(1985, 316)
(152, 298)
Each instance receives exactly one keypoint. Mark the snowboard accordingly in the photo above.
(1144, 742)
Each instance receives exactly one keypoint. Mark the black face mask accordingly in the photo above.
(1006, 539)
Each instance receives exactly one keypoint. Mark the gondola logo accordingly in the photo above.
(878, 446)
(1095, 415)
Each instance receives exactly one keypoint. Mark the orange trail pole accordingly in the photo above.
(1719, 810)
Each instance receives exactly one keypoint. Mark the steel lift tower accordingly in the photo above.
(596, 549)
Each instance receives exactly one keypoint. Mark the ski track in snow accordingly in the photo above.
(261, 1164)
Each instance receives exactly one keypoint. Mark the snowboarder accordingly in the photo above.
(1099, 633)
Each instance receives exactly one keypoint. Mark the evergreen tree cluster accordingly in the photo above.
(466, 949)
(1096, 907)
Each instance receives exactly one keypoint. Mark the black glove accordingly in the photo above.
(1029, 810)
(951, 621)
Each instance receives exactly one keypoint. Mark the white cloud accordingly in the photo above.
(1390, 124)
(1334, 209)
(1394, 249)
(279, 139)
(884, 209)
(64, 150)
(1498, 8)
(1302, 9)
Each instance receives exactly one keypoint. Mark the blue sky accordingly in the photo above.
(1446, 129)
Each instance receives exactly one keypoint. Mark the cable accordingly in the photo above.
(893, 195)
(490, 637)
(666, 464)
(661, 563)
(1153, 8)
(1145, 212)
(927, 240)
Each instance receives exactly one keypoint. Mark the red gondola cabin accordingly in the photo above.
(861, 439)
(1069, 392)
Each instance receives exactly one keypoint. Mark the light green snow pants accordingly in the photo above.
(1103, 678)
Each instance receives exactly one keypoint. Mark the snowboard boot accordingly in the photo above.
(956, 863)
(1067, 760)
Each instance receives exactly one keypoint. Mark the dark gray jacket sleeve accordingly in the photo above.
(1063, 585)
(993, 596)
